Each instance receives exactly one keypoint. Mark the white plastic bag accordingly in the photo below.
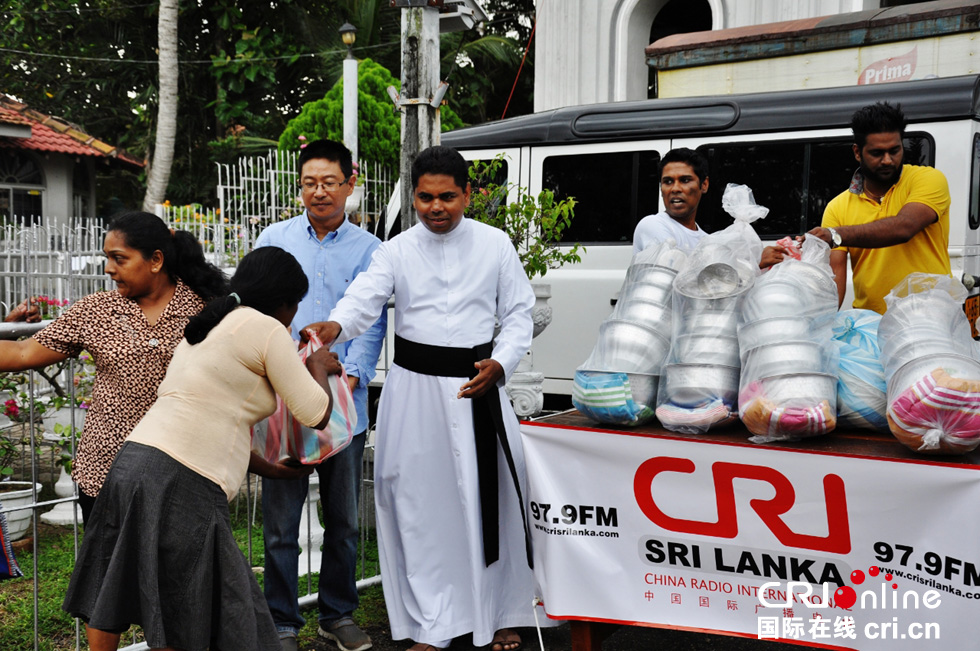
(933, 380)
(788, 387)
(699, 384)
(618, 382)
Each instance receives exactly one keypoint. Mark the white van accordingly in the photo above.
(792, 148)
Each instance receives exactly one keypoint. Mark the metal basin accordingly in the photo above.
(786, 357)
(773, 299)
(691, 385)
(896, 338)
(912, 371)
(922, 307)
(690, 301)
(717, 279)
(801, 389)
(706, 349)
(929, 348)
(816, 278)
(655, 315)
(773, 330)
(717, 323)
(651, 274)
(648, 292)
(629, 347)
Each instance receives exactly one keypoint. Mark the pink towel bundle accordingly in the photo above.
(937, 414)
(771, 423)
(695, 420)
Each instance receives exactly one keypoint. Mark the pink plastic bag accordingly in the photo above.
(791, 245)
(282, 437)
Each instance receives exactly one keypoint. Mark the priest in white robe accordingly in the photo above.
(453, 542)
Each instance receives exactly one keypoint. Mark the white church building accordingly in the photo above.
(589, 51)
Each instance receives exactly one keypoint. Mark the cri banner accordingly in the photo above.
(823, 550)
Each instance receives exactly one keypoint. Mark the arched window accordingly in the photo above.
(677, 17)
(21, 185)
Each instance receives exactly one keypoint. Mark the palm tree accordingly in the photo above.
(166, 130)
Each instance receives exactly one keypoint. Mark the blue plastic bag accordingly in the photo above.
(861, 389)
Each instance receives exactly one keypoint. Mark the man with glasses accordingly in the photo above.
(333, 252)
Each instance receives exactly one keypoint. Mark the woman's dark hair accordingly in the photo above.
(183, 257)
(266, 279)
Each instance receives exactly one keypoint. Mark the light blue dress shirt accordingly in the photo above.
(330, 265)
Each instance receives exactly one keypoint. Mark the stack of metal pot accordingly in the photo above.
(634, 340)
(789, 361)
(702, 370)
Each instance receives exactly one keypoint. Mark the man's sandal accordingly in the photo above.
(506, 640)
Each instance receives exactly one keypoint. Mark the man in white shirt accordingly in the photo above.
(683, 179)
(449, 466)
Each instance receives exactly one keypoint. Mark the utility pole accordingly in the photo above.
(420, 78)
(422, 92)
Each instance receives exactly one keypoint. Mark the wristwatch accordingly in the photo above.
(834, 237)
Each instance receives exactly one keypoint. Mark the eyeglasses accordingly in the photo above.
(329, 186)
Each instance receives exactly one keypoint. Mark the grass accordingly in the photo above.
(56, 558)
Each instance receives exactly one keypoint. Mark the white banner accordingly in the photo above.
(837, 552)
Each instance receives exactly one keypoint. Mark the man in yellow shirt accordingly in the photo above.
(892, 220)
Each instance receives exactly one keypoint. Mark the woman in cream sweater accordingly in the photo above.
(159, 550)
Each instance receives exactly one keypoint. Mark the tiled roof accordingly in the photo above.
(51, 134)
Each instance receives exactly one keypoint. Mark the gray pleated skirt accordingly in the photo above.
(159, 552)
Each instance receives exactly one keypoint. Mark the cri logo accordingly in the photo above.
(770, 511)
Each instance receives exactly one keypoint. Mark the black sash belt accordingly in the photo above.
(488, 427)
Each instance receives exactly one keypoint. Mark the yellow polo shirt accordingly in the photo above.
(876, 271)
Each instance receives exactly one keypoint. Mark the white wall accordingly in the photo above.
(589, 51)
(56, 200)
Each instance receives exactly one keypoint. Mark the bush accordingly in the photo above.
(379, 124)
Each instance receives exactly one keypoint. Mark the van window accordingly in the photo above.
(499, 176)
(613, 192)
(794, 179)
(975, 184)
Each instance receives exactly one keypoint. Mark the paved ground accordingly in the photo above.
(622, 639)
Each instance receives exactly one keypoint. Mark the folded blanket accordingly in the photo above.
(772, 423)
(696, 420)
(608, 398)
(938, 414)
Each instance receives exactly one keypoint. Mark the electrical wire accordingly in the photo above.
(523, 59)
(324, 54)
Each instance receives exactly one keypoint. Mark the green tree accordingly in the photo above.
(166, 128)
(482, 66)
(246, 65)
(246, 68)
(379, 125)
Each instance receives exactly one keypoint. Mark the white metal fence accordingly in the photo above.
(62, 262)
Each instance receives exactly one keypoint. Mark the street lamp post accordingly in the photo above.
(348, 33)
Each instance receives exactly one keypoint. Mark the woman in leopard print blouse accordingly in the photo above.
(162, 279)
